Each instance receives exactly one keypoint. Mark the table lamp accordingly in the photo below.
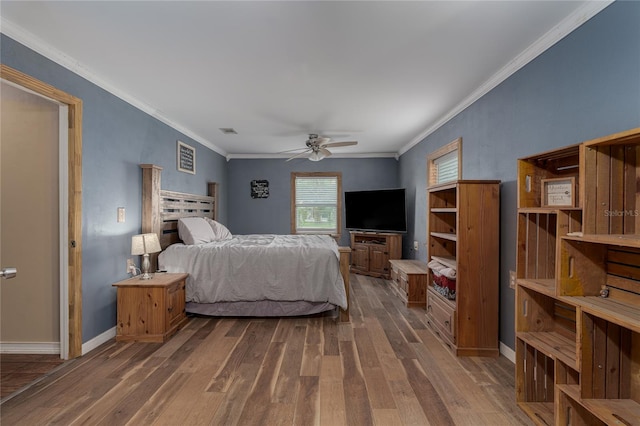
(143, 244)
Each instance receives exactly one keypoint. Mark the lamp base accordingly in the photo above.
(146, 265)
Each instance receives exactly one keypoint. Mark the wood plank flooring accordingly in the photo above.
(385, 367)
(18, 370)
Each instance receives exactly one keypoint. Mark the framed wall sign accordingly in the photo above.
(186, 158)
(559, 192)
(259, 189)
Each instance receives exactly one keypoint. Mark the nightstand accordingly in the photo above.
(151, 310)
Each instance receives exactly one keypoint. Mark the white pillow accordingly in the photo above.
(220, 231)
(194, 230)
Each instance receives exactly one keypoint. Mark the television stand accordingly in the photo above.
(371, 252)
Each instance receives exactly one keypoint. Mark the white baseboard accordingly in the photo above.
(30, 348)
(508, 352)
(98, 340)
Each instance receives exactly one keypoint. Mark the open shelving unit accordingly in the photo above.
(578, 285)
(468, 324)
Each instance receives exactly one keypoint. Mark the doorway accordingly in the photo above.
(29, 221)
(70, 334)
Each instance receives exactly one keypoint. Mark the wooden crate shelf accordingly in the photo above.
(614, 310)
(606, 411)
(552, 344)
(612, 206)
(578, 286)
(632, 240)
(544, 286)
(540, 412)
(537, 234)
(560, 163)
(535, 374)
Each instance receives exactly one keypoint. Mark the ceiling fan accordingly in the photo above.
(317, 147)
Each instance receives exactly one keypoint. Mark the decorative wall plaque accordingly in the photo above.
(186, 158)
(559, 192)
(259, 189)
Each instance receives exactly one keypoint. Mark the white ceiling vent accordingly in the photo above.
(228, 130)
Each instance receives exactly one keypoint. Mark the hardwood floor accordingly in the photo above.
(18, 370)
(384, 367)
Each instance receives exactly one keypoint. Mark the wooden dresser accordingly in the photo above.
(151, 310)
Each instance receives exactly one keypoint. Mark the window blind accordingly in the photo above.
(316, 201)
(312, 191)
(447, 167)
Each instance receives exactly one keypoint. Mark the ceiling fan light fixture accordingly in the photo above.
(316, 156)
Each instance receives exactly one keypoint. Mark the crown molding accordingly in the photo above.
(564, 28)
(36, 44)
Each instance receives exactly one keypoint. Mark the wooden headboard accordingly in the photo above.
(161, 209)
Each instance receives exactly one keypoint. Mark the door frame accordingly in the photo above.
(74, 197)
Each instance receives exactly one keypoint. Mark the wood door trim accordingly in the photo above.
(75, 196)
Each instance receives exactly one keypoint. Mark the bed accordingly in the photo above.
(242, 275)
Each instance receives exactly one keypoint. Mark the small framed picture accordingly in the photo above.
(559, 192)
(186, 158)
(260, 188)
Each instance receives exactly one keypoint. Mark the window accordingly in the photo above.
(316, 203)
(445, 164)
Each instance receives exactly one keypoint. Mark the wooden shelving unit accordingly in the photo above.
(578, 285)
(468, 325)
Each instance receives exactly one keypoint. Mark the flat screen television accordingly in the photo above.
(380, 210)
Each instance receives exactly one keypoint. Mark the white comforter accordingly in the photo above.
(260, 267)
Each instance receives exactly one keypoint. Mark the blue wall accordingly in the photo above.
(272, 215)
(586, 86)
(116, 138)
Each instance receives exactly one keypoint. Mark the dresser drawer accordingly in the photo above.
(441, 316)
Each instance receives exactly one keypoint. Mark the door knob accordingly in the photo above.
(7, 273)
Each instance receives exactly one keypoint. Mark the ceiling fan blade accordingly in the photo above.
(321, 140)
(325, 151)
(336, 144)
(298, 155)
(293, 150)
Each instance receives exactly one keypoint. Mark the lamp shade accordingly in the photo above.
(145, 243)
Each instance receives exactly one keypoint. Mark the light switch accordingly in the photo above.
(120, 214)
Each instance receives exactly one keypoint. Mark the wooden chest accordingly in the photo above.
(151, 310)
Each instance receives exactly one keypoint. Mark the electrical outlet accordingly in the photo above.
(120, 214)
(131, 267)
(512, 279)
(416, 246)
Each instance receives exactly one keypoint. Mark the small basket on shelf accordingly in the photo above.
(444, 279)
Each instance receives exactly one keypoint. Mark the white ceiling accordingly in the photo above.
(383, 73)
